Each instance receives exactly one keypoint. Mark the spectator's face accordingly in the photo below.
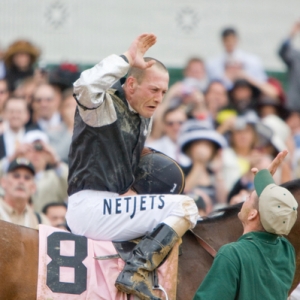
(230, 43)
(173, 122)
(266, 110)
(4, 93)
(16, 113)
(19, 184)
(144, 97)
(45, 103)
(67, 110)
(37, 157)
(201, 151)
(216, 97)
(242, 93)
(243, 138)
(195, 70)
(22, 60)
(56, 215)
(294, 122)
(26, 91)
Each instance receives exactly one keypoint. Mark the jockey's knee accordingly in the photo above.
(190, 211)
(184, 217)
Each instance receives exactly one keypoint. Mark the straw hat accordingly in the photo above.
(21, 46)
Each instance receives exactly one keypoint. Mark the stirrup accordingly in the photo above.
(160, 288)
(156, 285)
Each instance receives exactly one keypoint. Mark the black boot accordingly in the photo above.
(146, 256)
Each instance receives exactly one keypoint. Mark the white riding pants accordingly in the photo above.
(108, 217)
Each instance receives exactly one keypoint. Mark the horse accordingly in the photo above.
(19, 252)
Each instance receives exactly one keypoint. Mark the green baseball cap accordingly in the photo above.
(277, 206)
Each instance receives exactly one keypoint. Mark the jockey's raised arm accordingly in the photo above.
(93, 83)
(90, 88)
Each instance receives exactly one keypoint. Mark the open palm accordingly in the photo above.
(137, 50)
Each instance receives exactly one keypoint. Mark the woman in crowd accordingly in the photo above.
(202, 145)
(20, 58)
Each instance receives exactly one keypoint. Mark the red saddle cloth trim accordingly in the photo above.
(101, 274)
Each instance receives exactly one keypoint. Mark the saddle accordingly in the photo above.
(77, 268)
(125, 248)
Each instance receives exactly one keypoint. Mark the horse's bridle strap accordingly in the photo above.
(205, 245)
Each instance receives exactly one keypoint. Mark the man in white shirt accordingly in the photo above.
(235, 60)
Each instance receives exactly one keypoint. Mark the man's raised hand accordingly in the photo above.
(274, 164)
(137, 50)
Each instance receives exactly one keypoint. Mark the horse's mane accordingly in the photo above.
(292, 185)
(222, 213)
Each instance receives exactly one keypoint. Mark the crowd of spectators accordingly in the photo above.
(36, 122)
(224, 117)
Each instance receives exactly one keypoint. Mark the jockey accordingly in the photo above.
(112, 121)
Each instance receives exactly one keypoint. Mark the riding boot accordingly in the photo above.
(146, 256)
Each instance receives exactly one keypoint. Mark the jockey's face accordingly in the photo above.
(144, 97)
(19, 184)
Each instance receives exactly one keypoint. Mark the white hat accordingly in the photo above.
(277, 206)
(267, 133)
(195, 130)
(280, 129)
(35, 135)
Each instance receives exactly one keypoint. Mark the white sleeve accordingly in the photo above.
(90, 88)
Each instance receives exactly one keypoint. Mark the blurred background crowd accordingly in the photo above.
(225, 116)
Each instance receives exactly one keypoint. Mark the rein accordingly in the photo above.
(205, 245)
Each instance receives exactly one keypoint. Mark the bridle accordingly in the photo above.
(205, 245)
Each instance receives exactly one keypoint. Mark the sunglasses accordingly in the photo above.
(47, 99)
(17, 175)
(172, 123)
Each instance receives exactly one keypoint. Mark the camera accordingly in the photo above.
(38, 146)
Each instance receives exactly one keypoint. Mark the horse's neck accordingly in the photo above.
(220, 230)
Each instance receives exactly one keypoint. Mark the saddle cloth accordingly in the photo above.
(67, 268)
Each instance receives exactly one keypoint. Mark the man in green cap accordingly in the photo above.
(261, 264)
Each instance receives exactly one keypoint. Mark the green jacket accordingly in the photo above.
(259, 266)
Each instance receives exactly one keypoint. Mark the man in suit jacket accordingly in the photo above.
(16, 115)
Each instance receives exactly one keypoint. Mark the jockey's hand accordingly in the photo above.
(274, 164)
(138, 48)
